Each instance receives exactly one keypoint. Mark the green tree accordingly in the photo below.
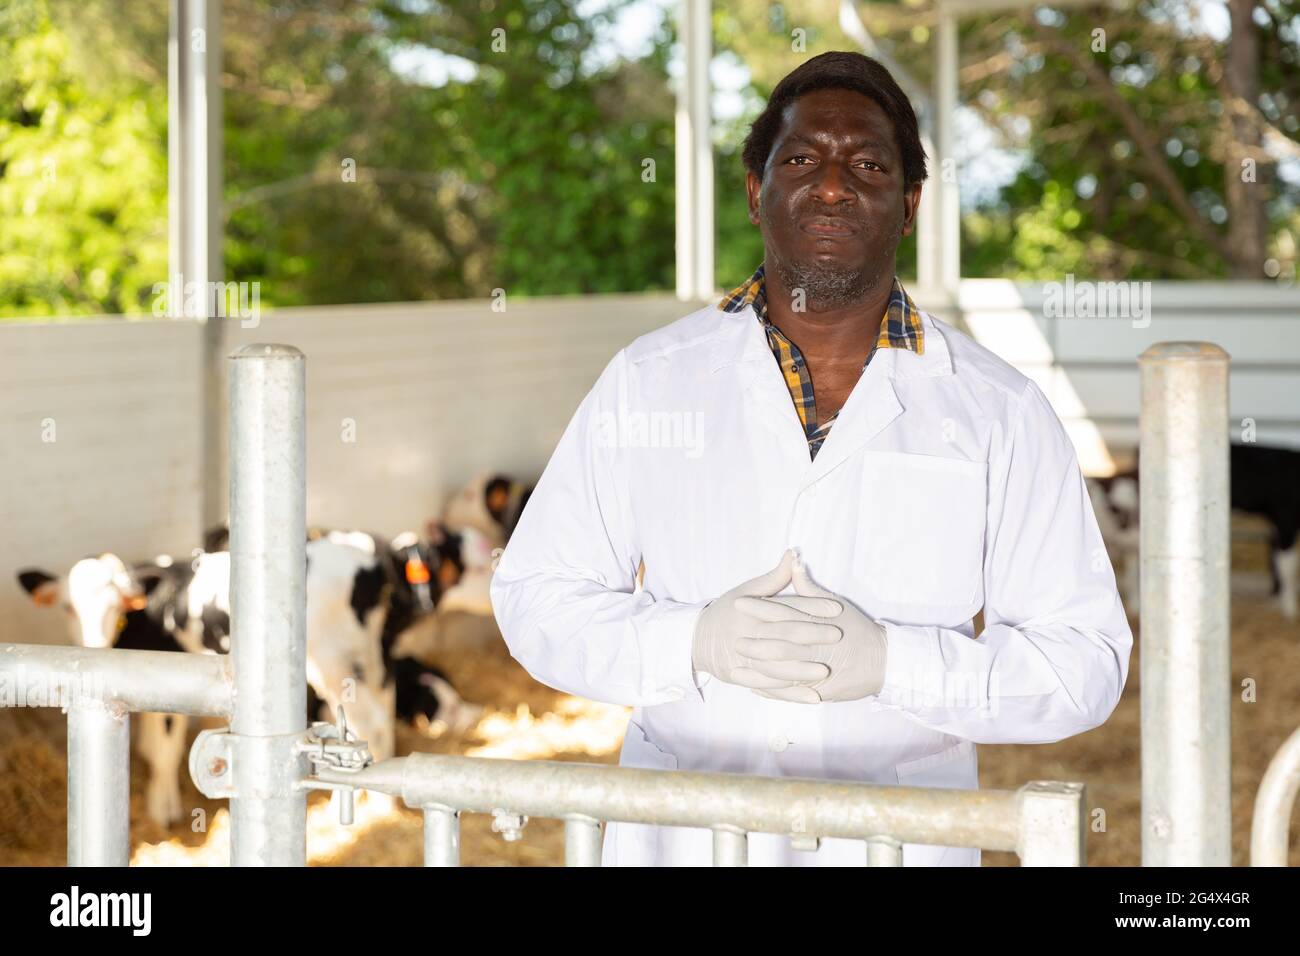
(83, 207)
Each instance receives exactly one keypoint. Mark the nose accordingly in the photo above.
(832, 184)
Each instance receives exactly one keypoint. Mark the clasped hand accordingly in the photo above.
(808, 647)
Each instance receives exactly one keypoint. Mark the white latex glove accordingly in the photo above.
(722, 627)
(854, 663)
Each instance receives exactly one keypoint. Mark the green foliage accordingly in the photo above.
(83, 180)
(1122, 118)
(349, 177)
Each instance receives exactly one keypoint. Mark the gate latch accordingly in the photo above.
(334, 747)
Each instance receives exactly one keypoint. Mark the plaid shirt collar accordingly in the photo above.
(900, 328)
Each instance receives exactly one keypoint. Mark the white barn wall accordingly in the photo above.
(440, 391)
(122, 472)
(437, 391)
(1088, 368)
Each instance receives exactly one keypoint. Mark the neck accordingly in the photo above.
(830, 336)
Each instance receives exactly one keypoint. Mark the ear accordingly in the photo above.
(754, 193)
(43, 588)
(216, 538)
(911, 201)
(448, 573)
(145, 577)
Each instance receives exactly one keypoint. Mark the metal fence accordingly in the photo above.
(1270, 827)
(267, 760)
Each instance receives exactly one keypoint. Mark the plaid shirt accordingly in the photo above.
(900, 328)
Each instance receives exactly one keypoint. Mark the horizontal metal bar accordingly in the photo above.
(38, 675)
(988, 819)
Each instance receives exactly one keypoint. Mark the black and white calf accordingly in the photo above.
(1264, 481)
(168, 607)
(491, 504)
(352, 603)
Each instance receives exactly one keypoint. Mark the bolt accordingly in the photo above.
(217, 767)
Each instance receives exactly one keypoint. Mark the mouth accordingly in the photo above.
(828, 227)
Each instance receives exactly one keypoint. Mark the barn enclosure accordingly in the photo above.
(267, 759)
(139, 436)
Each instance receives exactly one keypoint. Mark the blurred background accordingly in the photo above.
(461, 210)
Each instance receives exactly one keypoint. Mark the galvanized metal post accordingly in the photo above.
(99, 783)
(268, 602)
(1051, 821)
(730, 846)
(441, 836)
(194, 149)
(884, 851)
(581, 840)
(695, 212)
(947, 201)
(1186, 770)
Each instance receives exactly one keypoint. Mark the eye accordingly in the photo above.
(793, 158)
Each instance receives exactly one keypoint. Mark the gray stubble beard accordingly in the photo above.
(827, 286)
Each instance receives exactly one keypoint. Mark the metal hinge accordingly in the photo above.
(325, 746)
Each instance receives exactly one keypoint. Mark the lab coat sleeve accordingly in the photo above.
(1053, 657)
(562, 591)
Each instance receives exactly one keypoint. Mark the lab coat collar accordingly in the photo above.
(740, 339)
(741, 344)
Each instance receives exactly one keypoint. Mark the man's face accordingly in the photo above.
(835, 156)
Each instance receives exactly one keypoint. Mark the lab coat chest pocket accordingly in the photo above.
(920, 538)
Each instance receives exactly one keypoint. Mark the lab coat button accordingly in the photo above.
(674, 693)
(779, 742)
(812, 491)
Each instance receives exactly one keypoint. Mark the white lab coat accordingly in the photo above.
(947, 484)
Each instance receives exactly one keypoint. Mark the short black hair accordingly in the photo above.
(839, 70)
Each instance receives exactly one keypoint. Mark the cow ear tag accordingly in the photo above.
(417, 572)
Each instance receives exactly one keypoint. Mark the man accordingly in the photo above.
(816, 409)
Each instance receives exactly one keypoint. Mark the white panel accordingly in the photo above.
(439, 391)
(121, 473)
(1088, 366)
